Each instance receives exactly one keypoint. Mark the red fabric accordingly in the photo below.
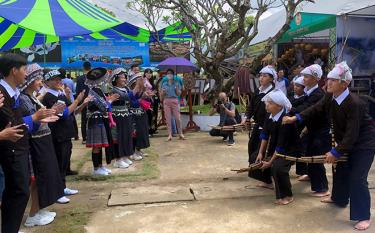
(96, 145)
(145, 105)
(112, 123)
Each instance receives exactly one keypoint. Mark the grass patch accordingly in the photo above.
(149, 170)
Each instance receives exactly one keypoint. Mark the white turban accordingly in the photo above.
(269, 70)
(279, 98)
(313, 70)
(299, 81)
(341, 72)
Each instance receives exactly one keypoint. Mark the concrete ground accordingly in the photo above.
(188, 187)
(220, 201)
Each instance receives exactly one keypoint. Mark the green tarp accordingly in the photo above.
(307, 23)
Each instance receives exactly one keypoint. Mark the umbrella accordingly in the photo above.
(57, 17)
(178, 64)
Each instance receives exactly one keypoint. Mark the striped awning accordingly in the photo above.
(15, 36)
(57, 17)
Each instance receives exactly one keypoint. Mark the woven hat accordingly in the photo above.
(96, 77)
(115, 73)
(134, 78)
(33, 72)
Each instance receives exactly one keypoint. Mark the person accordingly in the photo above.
(15, 148)
(355, 138)
(170, 92)
(134, 69)
(99, 121)
(152, 113)
(79, 88)
(63, 129)
(296, 99)
(317, 140)
(227, 111)
(257, 110)
(281, 82)
(180, 81)
(122, 132)
(69, 90)
(47, 187)
(278, 138)
(138, 109)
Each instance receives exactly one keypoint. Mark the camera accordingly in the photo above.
(219, 102)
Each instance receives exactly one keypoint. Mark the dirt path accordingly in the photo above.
(223, 201)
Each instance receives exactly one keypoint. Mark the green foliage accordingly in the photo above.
(106, 10)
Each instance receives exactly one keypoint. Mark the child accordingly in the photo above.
(296, 100)
(355, 138)
(257, 111)
(284, 139)
(99, 120)
(63, 129)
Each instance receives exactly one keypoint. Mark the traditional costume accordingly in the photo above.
(122, 132)
(282, 139)
(63, 129)
(318, 137)
(140, 119)
(44, 161)
(98, 120)
(355, 138)
(257, 111)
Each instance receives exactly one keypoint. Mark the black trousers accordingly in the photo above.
(317, 143)
(16, 192)
(83, 123)
(63, 151)
(280, 174)
(220, 133)
(350, 182)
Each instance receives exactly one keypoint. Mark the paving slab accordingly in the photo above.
(149, 194)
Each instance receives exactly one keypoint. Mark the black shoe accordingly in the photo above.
(71, 173)
(76, 138)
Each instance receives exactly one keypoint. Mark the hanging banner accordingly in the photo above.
(111, 52)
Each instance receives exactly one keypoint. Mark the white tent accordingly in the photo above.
(268, 27)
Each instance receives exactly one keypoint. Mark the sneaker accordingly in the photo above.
(68, 191)
(143, 154)
(100, 172)
(231, 143)
(225, 139)
(120, 164)
(38, 220)
(47, 213)
(128, 161)
(136, 157)
(107, 170)
(63, 200)
(83, 142)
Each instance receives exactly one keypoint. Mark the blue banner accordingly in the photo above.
(105, 53)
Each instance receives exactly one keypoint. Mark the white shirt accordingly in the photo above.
(277, 116)
(339, 99)
(261, 90)
(55, 93)
(308, 92)
(298, 96)
(281, 85)
(11, 92)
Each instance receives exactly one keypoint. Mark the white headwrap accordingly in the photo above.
(299, 81)
(269, 70)
(313, 70)
(341, 72)
(279, 98)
